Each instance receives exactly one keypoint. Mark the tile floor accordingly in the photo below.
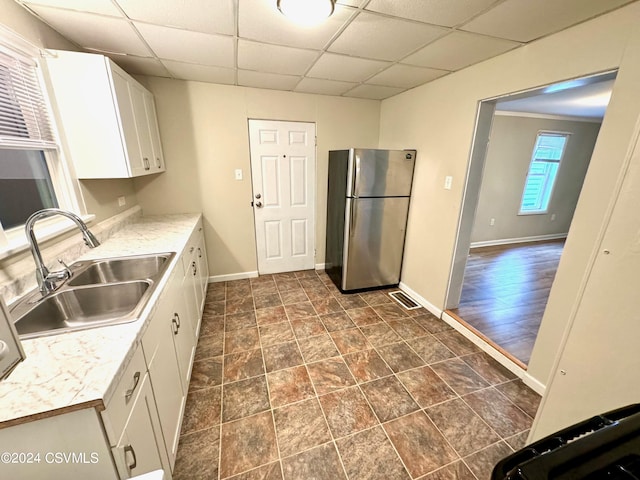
(294, 380)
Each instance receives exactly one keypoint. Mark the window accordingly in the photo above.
(543, 170)
(31, 174)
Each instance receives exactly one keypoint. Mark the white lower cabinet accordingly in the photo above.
(196, 277)
(169, 347)
(139, 430)
(132, 423)
(141, 447)
(72, 445)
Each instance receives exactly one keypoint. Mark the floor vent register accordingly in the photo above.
(405, 300)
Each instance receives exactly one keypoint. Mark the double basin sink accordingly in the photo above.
(100, 292)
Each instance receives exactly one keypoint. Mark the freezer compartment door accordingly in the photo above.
(374, 242)
(380, 173)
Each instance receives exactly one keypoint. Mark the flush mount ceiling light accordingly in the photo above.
(306, 12)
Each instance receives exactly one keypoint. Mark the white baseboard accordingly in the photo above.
(232, 276)
(321, 266)
(498, 356)
(534, 384)
(507, 241)
(421, 300)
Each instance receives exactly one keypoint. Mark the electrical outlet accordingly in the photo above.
(122, 201)
(448, 180)
(238, 174)
(553, 217)
(492, 222)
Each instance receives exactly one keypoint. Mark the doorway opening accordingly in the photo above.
(530, 155)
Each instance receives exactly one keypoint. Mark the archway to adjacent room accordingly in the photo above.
(530, 155)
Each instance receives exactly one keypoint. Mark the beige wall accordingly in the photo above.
(438, 119)
(100, 196)
(204, 130)
(505, 171)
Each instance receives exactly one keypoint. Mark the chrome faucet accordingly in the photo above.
(49, 281)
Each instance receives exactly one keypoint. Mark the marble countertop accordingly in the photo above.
(80, 369)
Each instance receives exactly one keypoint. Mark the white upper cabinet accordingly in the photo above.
(107, 119)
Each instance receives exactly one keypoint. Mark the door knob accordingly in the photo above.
(259, 204)
(258, 196)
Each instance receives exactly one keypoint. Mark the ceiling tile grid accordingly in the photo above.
(367, 49)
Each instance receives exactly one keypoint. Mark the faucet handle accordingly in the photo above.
(67, 271)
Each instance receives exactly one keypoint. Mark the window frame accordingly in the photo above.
(541, 133)
(65, 185)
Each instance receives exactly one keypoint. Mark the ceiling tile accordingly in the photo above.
(458, 50)
(104, 7)
(199, 15)
(524, 20)
(405, 76)
(373, 92)
(273, 58)
(271, 81)
(190, 47)
(200, 73)
(141, 65)
(438, 12)
(323, 87)
(260, 20)
(349, 69)
(351, 3)
(383, 38)
(106, 34)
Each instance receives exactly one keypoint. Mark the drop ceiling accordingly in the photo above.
(367, 49)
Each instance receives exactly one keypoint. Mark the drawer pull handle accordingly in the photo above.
(177, 318)
(199, 252)
(191, 249)
(195, 268)
(129, 393)
(176, 326)
(130, 449)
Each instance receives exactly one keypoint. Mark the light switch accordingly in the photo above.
(448, 180)
(122, 201)
(238, 174)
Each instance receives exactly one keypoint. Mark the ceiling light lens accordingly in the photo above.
(306, 12)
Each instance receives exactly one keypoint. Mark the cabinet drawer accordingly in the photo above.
(118, 409)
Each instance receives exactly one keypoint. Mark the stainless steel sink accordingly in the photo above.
(120, 269)
(101, 292)
(81, 308)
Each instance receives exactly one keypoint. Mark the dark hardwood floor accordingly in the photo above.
(505, 292)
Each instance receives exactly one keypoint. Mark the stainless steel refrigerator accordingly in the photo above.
(367, 207)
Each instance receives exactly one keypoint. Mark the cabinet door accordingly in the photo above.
(162, 362)
(157, 158)
(203, 271)
(142, 126)
(184, 341)
(125, 106)
(138, 450)
(167, 386)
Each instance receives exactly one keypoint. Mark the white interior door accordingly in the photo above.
(283, 170)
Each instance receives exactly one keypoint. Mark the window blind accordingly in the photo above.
(24, 117)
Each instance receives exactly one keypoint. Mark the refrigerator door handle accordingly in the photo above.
(356, 178)
(352, 216)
